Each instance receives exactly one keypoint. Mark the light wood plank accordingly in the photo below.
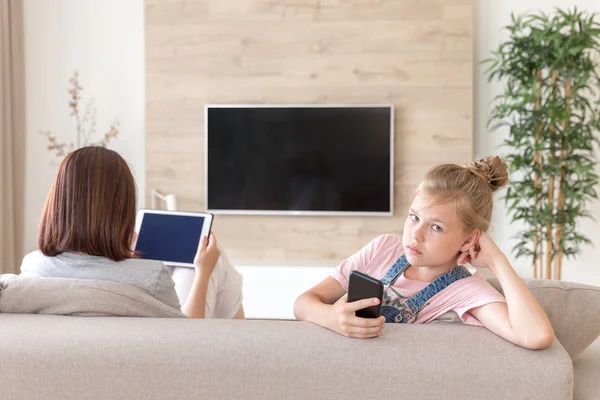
(416, 55)
(159, 12)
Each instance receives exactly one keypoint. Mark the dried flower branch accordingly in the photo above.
(85, 125)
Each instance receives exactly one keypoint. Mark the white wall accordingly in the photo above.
(104, 40)
(492, 16)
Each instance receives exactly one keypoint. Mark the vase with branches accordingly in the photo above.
(549, 67)
(85, 125)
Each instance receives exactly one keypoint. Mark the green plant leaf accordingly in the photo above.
(558, 124)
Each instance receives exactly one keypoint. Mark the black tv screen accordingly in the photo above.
(299, 159)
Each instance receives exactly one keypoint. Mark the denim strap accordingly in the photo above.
(416, 302)
(395, 271)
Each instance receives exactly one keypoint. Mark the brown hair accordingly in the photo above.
(90, 207)
(469, 188)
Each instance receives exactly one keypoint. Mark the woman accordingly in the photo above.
(86, 230)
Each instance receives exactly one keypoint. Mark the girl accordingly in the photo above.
(86, 230)
(445, 227)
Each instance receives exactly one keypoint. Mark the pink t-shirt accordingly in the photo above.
(376, 258)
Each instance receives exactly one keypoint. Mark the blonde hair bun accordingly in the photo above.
(492, 170)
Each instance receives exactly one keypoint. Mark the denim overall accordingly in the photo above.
(413, 305)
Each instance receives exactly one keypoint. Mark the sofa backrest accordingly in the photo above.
(64, 296)
(57, 357)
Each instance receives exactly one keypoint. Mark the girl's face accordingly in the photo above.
(433, 235)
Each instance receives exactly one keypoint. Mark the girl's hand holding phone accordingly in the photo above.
(344, 322)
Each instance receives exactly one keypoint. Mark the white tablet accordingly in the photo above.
(170, 236)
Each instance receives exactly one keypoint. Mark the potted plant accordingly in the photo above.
(549, 66)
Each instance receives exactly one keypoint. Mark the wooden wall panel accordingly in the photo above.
(414, 54)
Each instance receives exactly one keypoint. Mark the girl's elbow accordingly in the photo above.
(540, 341)
(298, 308)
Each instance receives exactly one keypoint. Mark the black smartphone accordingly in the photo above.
(362, 286)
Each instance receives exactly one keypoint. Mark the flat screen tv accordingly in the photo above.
(299, 159)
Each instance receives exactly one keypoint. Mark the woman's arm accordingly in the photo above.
(240, 314)
(522, 320)
(195, 304)
(204, 264)
(326, 305)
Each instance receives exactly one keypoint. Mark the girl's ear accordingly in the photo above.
(471, 240)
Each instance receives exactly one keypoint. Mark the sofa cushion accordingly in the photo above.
(65, 296)
(573, 309)
(587, 370)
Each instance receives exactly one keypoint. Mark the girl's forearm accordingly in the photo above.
(527, 317)
(309, 307)
(195, 305)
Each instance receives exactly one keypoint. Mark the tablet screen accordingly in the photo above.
(169, 238)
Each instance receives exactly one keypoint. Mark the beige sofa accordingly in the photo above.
(68, 357)
(62, 357)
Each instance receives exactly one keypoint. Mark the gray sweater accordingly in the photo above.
(150, 276)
